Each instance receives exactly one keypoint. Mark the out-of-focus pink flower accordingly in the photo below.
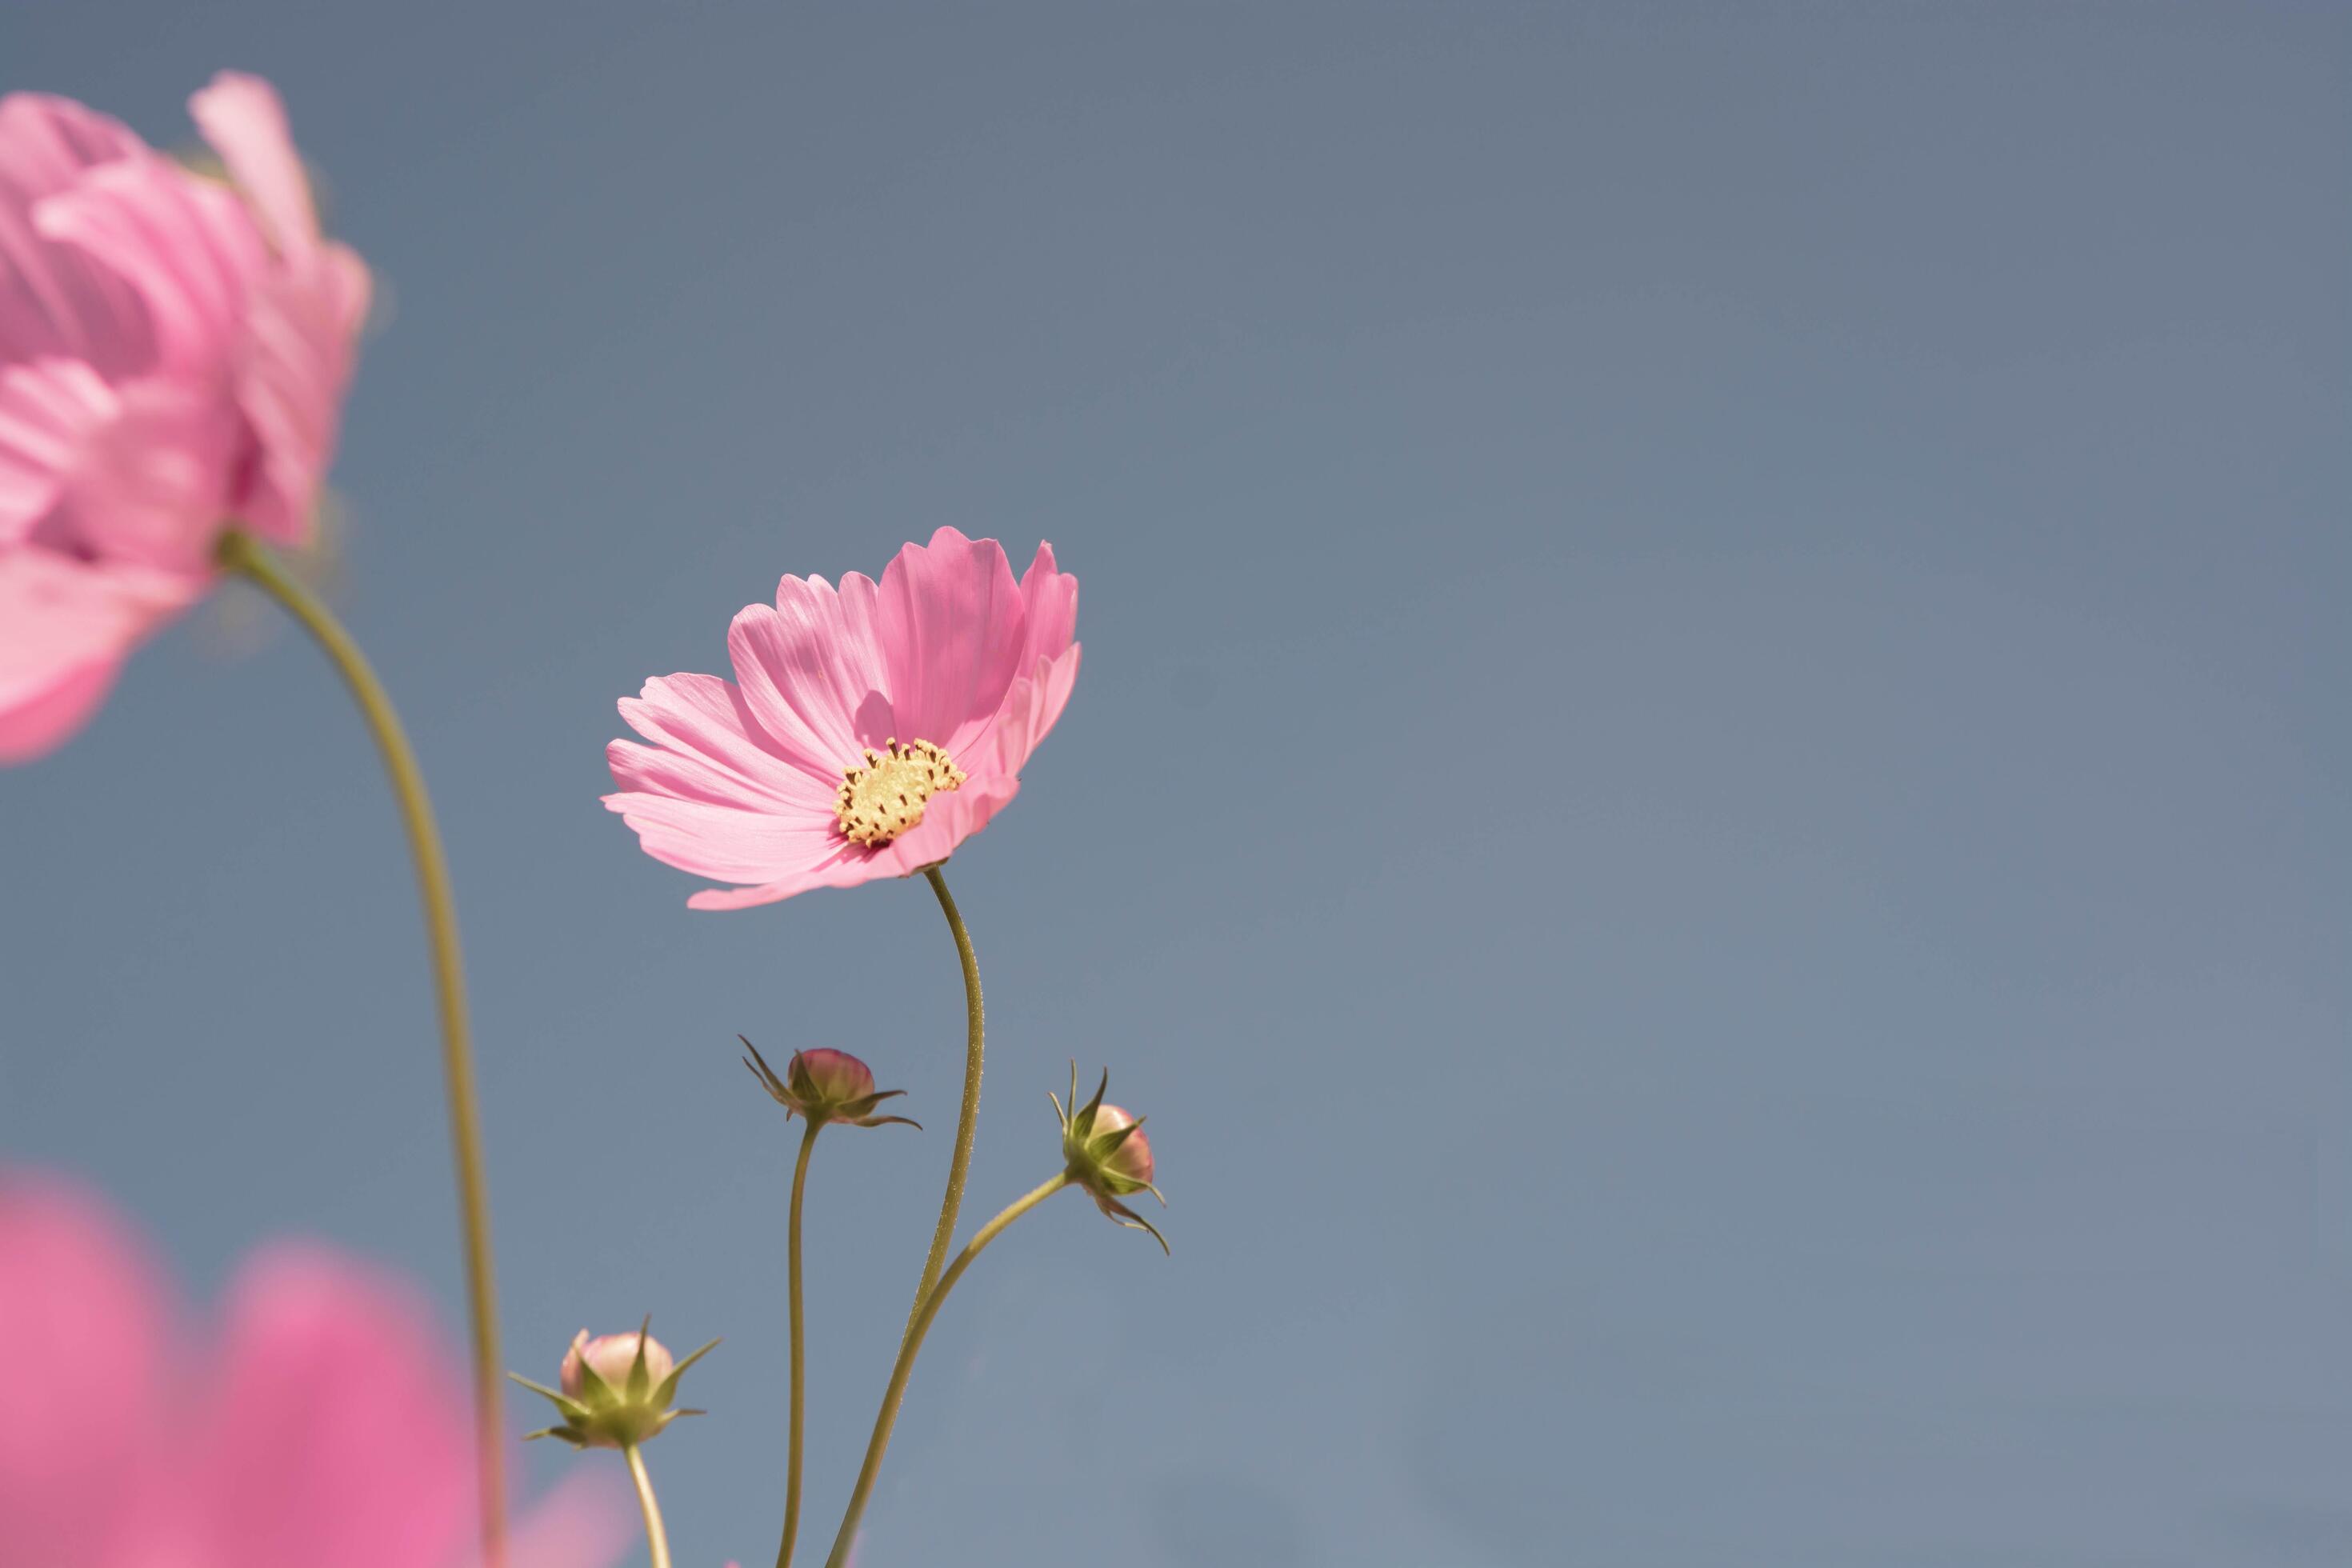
(869, 729)
(323, 1423)
(173, 351)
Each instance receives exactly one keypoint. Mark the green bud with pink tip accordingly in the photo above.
(1106, 1152)
(616, 1389)
(825, 1085)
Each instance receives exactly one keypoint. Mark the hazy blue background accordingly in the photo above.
(1710, 801)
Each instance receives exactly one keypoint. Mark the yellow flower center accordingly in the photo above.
(885, 797)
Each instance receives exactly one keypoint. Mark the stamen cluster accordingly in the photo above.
(885, 797)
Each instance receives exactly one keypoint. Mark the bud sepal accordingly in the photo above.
(617, 1391)
(1105, 1151)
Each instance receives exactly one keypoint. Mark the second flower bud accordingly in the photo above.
(825, 1085)
(1105, 1151)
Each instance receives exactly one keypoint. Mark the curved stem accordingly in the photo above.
(800, 1356)
(656, 1536)
(880, 1443)
(968, 1118)
(241, 554)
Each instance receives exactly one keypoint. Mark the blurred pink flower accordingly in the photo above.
(869, 729)
(172, 356)
(323, 1424)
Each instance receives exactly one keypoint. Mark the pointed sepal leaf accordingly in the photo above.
(641, 1381)
(668, 1389)
(1134, 1221)
(571, 1407)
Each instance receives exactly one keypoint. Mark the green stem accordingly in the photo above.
(241, 554)
(968, 1118)
(656, 1536)
(800, 1356)
(880, 1443)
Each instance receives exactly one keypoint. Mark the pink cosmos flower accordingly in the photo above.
(173, 351)
(323, 1424)
(868, 730)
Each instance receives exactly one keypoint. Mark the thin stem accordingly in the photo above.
(968, 1118)
(880, 1443)
(800, 1356)
(656, 1536)
(241, 554)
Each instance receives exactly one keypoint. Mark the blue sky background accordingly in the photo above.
(1708, 803)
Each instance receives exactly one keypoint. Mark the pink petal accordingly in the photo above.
(725, 843)
(83, 1315)
(243, 119)
(845, 867)
(51, 716)
(49, 409)
(339, 1434)
(186, 245)
(812, 670)
(1049, 598)
(302, 335)
(680, 776)
(708, 720)
(1030, 710)
(150, 484)
(52, 300)
(65, 627)
(951, 623)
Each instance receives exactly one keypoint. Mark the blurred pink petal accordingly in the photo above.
(65, 628)
(160, 459)
(336, 1431)
(241, 116)
(743, 781)
(173, 354)
(301, 336)
(84, 1317)
(187, 245)
(51, 409)
(328, 1425)
(54, 300)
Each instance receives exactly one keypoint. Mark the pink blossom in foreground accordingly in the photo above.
(323, 1423)
(870, 730)
(173, 351)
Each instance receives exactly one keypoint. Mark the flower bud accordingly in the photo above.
(1130, 1161)
(825, 1085)
(611, 1357)
(616, 1389)
(1106, 1152)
